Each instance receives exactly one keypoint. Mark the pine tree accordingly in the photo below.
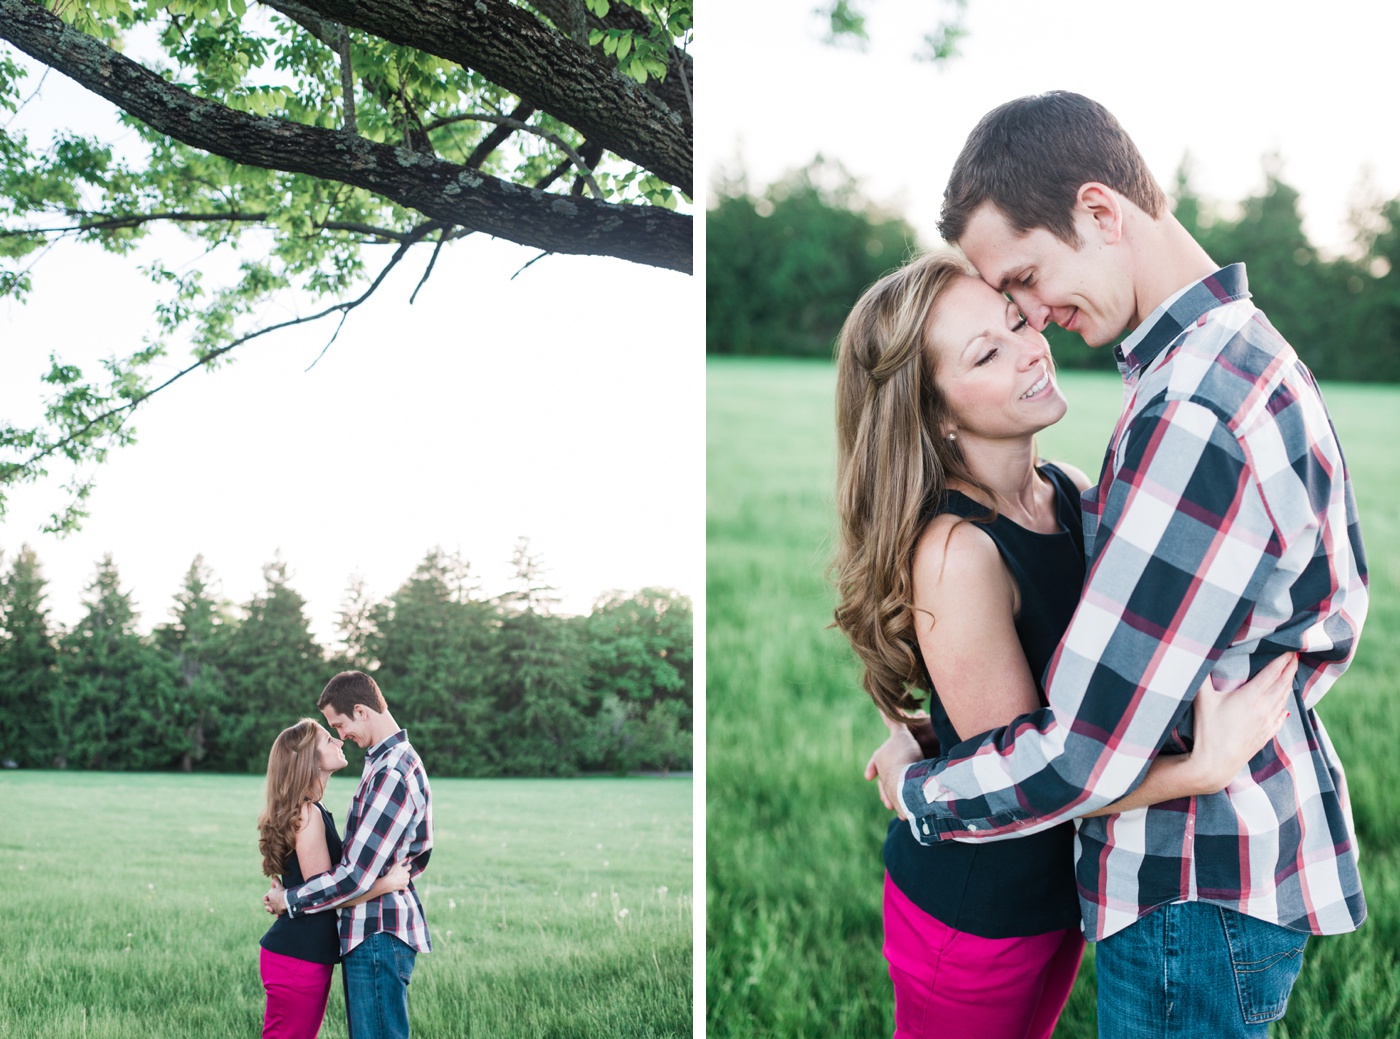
(542, 691)
(273, 672)
(117, 690)
(192, 641)
(28, 665)
(435, 643)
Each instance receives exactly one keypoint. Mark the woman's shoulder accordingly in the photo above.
(954, 552)
(1075, 475)
(311, 818)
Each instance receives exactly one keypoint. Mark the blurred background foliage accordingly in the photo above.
(785, 262)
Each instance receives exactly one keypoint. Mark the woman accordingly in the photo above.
(960, 564)
(298, 840)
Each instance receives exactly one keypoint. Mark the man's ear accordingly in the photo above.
(1104, 207)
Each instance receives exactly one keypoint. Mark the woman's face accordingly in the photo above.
(329, 756)
(993, 369)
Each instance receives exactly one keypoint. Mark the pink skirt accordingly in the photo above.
(297, 991)
(948, 983)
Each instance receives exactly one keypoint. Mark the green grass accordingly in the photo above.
(557, 908)
(794, 833)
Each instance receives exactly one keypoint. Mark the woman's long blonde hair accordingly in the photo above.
(894, 462)
(293, 778)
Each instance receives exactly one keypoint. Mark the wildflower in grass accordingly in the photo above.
(451, 904)
(624, 911)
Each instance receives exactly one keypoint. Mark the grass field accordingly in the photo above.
(794, 833)
(558, 908)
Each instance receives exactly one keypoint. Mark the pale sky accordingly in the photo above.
(565, 406)
(1227, 82)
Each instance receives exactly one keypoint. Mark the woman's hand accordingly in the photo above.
(275, 901)
(397, 878)
(1232, 727)
(888, 761)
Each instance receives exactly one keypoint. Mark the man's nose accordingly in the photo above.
(1037, 314)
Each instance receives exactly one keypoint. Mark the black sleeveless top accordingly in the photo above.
(315, 936)
(1025, 885)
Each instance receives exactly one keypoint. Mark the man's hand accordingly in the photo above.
(275, 901)
(887, 763)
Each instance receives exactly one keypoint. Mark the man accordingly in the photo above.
(390, 820)
(1222, 533)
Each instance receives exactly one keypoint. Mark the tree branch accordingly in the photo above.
(585, 170)
(442, 191)
(113, 223)
(136, 401)
(514, 49)
(671, 91)
(497, 137)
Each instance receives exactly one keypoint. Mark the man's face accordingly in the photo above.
(354, 727)
(1083, 290)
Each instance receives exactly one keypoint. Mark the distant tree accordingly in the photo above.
(1373, 287)
(542, 688)
(784, 266)
(273, 671)
(1325, 307)
(846, 21)
(29, 676)
(355, 625)
(434, 641)
(192, 641)
(118, 690)
(639, 654)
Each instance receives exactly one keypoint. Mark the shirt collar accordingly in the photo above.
(382, 747)
(1176, 314)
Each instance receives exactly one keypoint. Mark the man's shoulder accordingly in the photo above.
(1233, 362)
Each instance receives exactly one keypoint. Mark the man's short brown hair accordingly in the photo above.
(1029, 158)
(347, 689)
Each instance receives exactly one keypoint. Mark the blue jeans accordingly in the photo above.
(1194, 969)
(376, 974)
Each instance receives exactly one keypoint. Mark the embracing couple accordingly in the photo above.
(1121, 676)
(349, 902)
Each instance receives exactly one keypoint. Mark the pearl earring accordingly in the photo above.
(952, 437)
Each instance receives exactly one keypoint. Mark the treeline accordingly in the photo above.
(785, 264)
(485, 686)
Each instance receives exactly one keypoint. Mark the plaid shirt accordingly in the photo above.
(391, 817)
(1223, 532)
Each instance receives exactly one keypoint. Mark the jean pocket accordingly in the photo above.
(404, 958)
(1266, 959)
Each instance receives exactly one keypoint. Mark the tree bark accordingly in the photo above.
(441, 190)
(671, 90)
(514, 49)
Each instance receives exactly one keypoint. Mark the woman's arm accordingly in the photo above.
(966, 603)
(395, 880)
(1230, 729)
(312, 854)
